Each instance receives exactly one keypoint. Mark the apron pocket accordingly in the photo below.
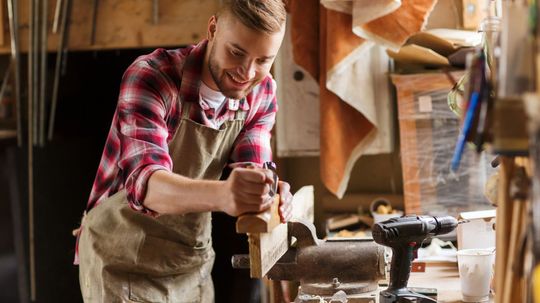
(159, 257)
(182, 288)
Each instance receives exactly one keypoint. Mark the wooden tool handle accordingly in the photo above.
(262, 222)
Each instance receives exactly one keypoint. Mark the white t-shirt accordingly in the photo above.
(214, 99)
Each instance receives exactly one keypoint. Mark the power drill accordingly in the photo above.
(405, 235)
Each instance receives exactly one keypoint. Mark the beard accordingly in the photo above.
(220, 77)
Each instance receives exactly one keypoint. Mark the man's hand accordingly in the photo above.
(285, 203)
(247, 191)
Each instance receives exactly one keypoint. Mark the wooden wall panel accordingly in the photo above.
(122, 24)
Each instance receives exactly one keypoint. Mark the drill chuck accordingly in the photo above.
(446, 224)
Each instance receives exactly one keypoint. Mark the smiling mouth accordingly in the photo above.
(237, 81)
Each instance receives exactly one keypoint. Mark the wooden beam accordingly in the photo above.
(503, 224)
(265, 249)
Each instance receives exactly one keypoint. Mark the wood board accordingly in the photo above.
(265, 249)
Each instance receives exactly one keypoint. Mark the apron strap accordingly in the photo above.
(186, 106)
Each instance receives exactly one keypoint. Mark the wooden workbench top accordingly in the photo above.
(444, 277)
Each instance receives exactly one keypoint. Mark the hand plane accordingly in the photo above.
(265, 221)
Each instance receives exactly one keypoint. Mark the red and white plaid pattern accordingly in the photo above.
(148, 114)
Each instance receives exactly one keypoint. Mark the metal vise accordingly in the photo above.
(342, 270)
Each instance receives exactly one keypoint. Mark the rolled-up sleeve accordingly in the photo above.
(142, 111)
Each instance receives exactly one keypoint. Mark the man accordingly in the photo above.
(182, 117)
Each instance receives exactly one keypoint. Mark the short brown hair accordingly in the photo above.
(267, 16)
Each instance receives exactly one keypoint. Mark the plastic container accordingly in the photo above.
(475, 273)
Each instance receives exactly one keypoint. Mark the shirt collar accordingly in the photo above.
(244, 105)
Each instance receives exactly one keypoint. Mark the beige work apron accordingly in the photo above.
(126, 256)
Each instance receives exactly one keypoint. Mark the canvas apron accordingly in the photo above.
(126, 256)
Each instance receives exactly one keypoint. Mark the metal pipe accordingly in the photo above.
(15, 58)
(43, 70)
(35, 70)
(95, 5)
(31, 155)
(7, 77)
(57, 10)
(62, 42)
(30, 62)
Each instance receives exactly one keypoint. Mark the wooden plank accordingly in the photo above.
(503, 224)
(509, 289)
(265, 249)
(513, 290)
(407, 130)
(126, 24)
(263, 222)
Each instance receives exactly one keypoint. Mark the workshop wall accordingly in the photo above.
(120, 23)
(65, 168)
(371, 174)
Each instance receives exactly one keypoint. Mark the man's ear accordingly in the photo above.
(212, 27)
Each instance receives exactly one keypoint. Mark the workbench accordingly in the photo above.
(444, 277)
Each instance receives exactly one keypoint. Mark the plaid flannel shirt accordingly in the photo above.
(148, 114)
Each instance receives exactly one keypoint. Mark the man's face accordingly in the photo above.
(239, 57)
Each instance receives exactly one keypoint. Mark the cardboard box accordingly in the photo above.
(479, 231)
(428, 134)
(474, 11)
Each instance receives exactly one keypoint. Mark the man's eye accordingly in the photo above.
(236, 53)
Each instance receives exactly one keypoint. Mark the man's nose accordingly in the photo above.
(248, 70)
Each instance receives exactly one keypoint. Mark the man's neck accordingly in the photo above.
(206, 76)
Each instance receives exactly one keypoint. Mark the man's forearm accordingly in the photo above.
(170, 193)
